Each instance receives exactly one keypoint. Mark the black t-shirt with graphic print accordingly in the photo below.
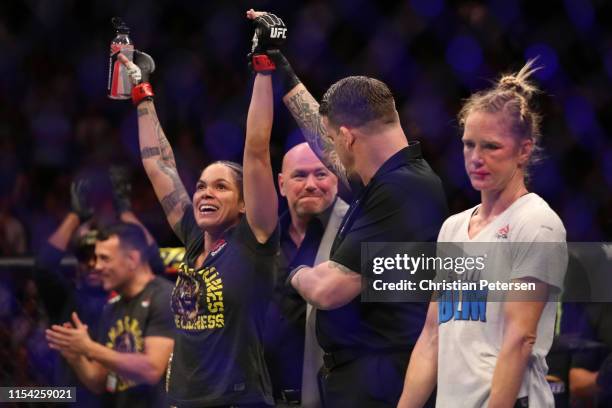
(219, 312)
(123, 327)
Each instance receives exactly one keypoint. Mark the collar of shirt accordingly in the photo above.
(313, 235)
(285, 220)
(218, 245)
(399, 159)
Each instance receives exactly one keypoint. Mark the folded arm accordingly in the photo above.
(329, 285)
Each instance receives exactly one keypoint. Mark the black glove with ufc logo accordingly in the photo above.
(270, 34)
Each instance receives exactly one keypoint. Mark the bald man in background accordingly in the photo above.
(308, 228)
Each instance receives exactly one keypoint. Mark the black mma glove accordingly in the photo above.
(122, 189)
(139, 72)
(604, 376)
(79, 203)
(270, 34)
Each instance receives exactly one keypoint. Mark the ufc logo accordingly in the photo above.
(278, 32)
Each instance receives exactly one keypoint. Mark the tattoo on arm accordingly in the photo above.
(177, 200)
(170, 201)
(164, 146)
(148, 152)
(305, 110)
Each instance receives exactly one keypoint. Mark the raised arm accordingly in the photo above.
(302, 105)
(53, 284)
(122, 191)
(259, 192)
(305, 110)
(80, 212)
(155, 150)
(158, 161)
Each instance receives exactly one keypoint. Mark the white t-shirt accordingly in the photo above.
(468, 346)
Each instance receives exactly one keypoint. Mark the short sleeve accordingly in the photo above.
(442, 235)
(190, 234)
(101, 335)
(449, 229)
(541, 253)
(155, 259)
(245, 236)
(160, 321)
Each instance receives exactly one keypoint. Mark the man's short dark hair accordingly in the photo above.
(358, 100)
(130, 236)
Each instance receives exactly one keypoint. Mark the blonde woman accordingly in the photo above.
(495, 357)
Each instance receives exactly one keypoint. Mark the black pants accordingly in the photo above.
(370, 381)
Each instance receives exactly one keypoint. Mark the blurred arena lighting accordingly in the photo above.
(293, 138)
(427, 8)
(224, 140)
(582, 121)
(464, 54)
(607, 60)
(506, 12)
(546, 58)
(580, 13)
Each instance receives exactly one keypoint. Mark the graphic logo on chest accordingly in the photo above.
(197, 298)
(503, 232)
(218, 247)
(125, 336)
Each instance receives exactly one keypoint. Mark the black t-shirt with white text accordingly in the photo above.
(219, 313)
